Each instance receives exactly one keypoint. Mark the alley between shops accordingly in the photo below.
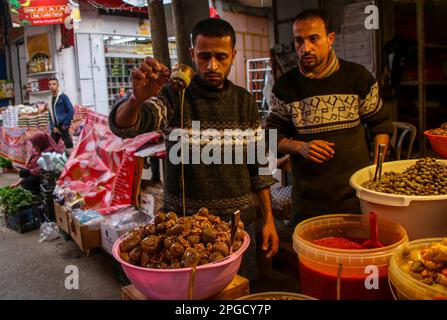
(33, 270)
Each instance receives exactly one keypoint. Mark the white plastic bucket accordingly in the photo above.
(421, 216)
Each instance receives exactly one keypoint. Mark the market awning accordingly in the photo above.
(119, 5)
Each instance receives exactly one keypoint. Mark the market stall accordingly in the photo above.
(22, 122)
(101, 177)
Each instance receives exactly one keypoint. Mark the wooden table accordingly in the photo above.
(237, 288)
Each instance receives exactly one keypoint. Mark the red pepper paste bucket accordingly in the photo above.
(345, 274)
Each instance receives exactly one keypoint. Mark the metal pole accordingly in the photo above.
(421, 76)
(158, 31)
(182, 35)
(275, 20)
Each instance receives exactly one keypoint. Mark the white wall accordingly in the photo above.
(67, 74)
(93, 23)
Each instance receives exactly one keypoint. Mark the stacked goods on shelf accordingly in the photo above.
(39, 65)
(32, 116)
(6, 89)
(118, 71)
(130, 48)
(39, 85)
(10, 117)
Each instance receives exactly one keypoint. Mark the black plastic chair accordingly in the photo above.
(400, 131)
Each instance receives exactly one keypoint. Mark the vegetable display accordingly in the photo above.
(5, 163)
(14, 198)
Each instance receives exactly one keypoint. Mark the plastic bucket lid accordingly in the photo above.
(403, 285)
(349, 226)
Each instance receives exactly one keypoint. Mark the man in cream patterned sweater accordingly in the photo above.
(321, 109)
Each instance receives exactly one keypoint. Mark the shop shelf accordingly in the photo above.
(41, 73)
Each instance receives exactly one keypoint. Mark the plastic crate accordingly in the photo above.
(48, 179)
(26, 218)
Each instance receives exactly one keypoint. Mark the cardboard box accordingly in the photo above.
(61, 216)
(115, 225)
(85, 236)
(151, 200)
(109, 235)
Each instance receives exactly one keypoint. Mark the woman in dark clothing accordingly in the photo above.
(30, 176)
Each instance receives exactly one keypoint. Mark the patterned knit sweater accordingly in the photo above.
(222, 188)
(336, 109)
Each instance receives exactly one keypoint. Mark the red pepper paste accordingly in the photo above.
(322, 284)
(338, 243)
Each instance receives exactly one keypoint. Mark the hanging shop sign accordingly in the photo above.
(38, 12)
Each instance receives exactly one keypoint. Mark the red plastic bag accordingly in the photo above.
(101, 166)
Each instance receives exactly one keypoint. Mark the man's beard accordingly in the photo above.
(214, 83)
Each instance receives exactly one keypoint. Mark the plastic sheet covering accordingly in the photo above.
(101, 166)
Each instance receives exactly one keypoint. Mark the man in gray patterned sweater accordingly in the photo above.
(319, 109)
(219, 105)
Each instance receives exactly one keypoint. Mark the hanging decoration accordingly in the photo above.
(257, 3)
(136, 3)
(117, 5)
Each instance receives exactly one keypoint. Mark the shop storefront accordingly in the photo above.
(91, 62)
(105, 55)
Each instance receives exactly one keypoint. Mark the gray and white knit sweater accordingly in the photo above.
(336, 109)
(222, 188)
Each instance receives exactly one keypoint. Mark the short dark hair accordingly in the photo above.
(315, 13)
(53, 79)
(213, 27)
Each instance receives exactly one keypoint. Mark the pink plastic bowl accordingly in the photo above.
(438, 144)
(173, 284)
